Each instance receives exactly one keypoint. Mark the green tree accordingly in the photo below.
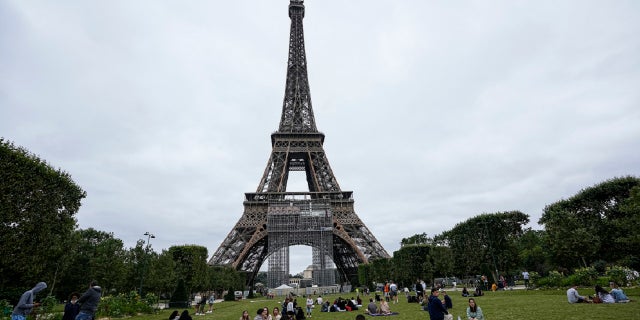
(532, 252)
(410, 261)
(485, 242)
(97, 255)
(364, 275)
(38, 205)
(442, 260)
(422, 238)
(629, 230)
(381, 270)
(134, 260)
(191, 266)
(161, 275)
(222, 278)
(595, 224)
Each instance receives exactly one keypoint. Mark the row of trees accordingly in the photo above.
(597, 227)
(600, 225)
(39, 241)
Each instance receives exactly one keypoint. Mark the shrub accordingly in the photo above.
(585, 276)
(554, 279)
(534, 277)
(126, 304)
(622, 275)
(179, 298)
(230, 296)
(5, 309)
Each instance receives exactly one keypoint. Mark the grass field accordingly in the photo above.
(501, 305)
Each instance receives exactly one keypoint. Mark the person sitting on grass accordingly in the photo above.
(465, 292)
(604, 295)
(618, 294)
(372, 308)
(574, 297)
(185, 315)
(384, 307)
(276, 314)
(473, 311)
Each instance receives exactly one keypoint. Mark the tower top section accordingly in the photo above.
(297, 113)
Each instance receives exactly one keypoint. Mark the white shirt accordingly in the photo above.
(573, 296)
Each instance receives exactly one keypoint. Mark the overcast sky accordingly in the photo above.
(433, 111)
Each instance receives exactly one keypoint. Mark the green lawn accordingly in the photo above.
(502, 305)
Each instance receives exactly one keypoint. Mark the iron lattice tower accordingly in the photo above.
(297, 146)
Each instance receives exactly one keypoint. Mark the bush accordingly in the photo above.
(622, 275)
(555, 279)
(5, 309)
(128, 304)
(230, 296)
(179, 298)
(585, 276)
(534, 277)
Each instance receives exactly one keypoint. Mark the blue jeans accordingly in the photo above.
(84, 316)
(17, 317)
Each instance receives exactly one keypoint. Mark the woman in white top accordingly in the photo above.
(309, 306)
(604, 295)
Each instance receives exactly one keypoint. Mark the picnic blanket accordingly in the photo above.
(382, 314)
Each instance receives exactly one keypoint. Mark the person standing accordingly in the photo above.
(201, 305)
(71, 308)
(393, 291)
(211, 300)
(89, 302)
(309, 306)
(25, 305)
(291, 309)
(525, 276)
(419, 290)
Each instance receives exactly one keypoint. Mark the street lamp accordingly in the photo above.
(149, 237)
(144, 262)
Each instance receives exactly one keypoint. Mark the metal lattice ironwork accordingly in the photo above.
(297, 146)
(300, 222)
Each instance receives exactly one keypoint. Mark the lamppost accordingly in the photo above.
(144, 262)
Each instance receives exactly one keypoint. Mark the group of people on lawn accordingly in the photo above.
(616, 295)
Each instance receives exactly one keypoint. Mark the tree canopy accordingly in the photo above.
(485, 242)
(598, 223)
(37, 208)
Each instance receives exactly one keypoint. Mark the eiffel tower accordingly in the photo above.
(274, 218)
